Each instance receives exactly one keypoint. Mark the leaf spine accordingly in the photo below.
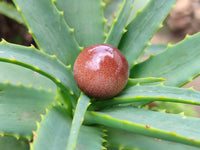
(125, 30)
(138, 11)
(30, 86)
(135, 63)
(71, 92)
(57, 80)
(3, 41)
(20, 83)
(103, 148)
(53, 1)
(160, 26)
(103, 4)
(42, 117)
(61, 13)
(147, 126)
(105, 20)
(71, 30)
(138, 84)
(32, 46)
(31, 32)
(182, 113)
(114, 21)
(18, 9)
(7, 82)
(151, 55)
(169, 45)
(69, 66)
(105, 35)
(37, 124)
(2, 134)
(17, 136)
(187, 36)
(191, 88)
(34, 135)
(148, 44)
(13, 60)
(81, 48)
(47, 110)
(36, 68)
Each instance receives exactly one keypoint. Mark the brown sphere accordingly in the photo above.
(101, 71)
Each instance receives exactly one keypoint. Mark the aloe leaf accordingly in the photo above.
(10, 11)
(11, 143)
(49, 66)
(49, 30)
(21, 107)
(171, 127)
(128, 140)
(16, 74)
(155, 49)
(81, 107)
(135, 81)
(56, 125)
(138, 5)
(86, 17)
(152, 93)
(111, 8)
(142, 28)
(63, 98)
(118, 27)
(178, 64)
(174, 108)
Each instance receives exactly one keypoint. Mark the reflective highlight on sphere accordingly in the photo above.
(101, 71)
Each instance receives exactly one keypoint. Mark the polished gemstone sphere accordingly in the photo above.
(101, 71)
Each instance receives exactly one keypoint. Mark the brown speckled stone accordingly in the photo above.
(101, 71)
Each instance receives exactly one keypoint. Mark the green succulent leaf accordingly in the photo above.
(142, 28)
(128, 140)
(172, 127)
(21, 107)
(42, 63)
(118, 27)
(63, 98)
(47, 25)
(174, 108)
(86, 17)
(111, 8)
(81, 107)
(178, 64)
(56, 125)
(16, 74)
(155, 49)
(11, 143)
(138, 5)
(152, 93)
(110, 11)
(10, 11)
(135, 81)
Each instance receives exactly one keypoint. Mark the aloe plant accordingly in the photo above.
(47, 111)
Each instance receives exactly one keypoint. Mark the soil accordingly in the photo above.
(14, 32)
